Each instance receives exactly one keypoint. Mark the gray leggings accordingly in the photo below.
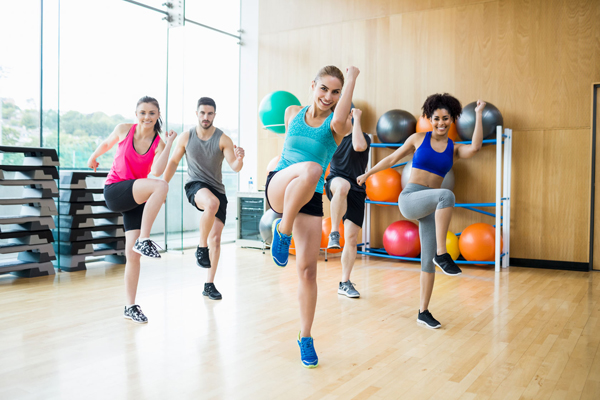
(420, 202)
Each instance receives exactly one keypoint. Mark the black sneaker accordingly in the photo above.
(146, 248)
(135, 314)
(202, 259)
(425, 318)
(211, 291)
(447, 264)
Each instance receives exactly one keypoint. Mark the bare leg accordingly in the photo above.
(153, 192)
(132, 266)
(442, 222)
(214, 243)
(349, 252)
(427, 280)
(207, 201)
(339, 188)
(307, 237)
(290, 189)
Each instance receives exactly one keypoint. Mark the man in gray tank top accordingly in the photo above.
(205, 147)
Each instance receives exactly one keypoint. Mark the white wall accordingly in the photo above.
(249, 92)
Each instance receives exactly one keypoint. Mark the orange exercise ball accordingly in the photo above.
(477, 242)
(423, 124)
(293, 247)
(273, 164)
(326, 230)
(385, 185)
(452, 245)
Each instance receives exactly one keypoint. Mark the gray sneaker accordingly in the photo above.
(334, 241)
(347, 289)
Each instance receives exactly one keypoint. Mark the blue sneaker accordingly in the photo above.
(308, 354)
(280, 245)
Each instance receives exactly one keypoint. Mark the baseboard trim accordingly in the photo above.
(549, 264)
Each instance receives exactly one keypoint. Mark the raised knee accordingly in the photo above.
(447, 199)
(161, 187)
(313, 171)
(212, 206)
(344, 187)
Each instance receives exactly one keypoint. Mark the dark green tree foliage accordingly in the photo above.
(80, 134)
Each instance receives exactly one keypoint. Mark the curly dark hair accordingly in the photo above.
(442, 101)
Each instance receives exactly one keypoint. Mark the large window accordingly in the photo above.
(71, 70)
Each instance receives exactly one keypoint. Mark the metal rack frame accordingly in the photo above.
(501, 205)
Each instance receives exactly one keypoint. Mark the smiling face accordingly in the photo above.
(441, 121)
(206, 116)
(147, 115)
(326, 92)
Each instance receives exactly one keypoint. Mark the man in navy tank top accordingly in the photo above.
(205, 147)
(348, 197)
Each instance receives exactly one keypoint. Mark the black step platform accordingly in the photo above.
(72, 263)
(87, 227)
(34, 155)
(30, 172)
(48, 185)
(76, 179)
(89, 246)
(73, 235)
(14, 223)
(27, 239)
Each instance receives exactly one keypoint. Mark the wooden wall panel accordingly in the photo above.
(550, 201)
(596, 244)
(533, 59)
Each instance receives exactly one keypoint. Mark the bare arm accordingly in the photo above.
(233, 154)
(340, 124)
(176, 156)
(358, 139)
(407, 148)
(162, 154)
(115, 137)
(469, 150)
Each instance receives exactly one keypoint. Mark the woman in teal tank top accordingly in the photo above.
(295, 188)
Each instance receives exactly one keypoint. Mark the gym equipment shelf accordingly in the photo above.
(87, 227)
(501, 204)
(26, 239)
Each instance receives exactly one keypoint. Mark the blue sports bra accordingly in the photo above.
(427, 159)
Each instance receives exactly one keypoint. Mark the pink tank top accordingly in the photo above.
(128, 163)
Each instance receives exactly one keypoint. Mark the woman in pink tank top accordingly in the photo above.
(140, 152)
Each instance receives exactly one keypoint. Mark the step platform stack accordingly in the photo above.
(87, 227)
(25, 235)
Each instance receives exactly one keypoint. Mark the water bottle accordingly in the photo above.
(250, 185)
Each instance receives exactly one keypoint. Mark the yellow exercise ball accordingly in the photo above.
(452, 245)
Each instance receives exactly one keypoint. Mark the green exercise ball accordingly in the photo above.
(271, 110)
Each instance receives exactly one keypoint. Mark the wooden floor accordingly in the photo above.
(519, 334)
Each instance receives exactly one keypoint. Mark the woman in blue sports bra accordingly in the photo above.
(295, 188)
(422, 198)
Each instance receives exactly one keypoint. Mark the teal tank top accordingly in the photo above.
(305, 143)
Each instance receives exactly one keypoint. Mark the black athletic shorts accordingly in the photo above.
(355, 200)
(119, 198)
(191, 188)
(313, 207)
